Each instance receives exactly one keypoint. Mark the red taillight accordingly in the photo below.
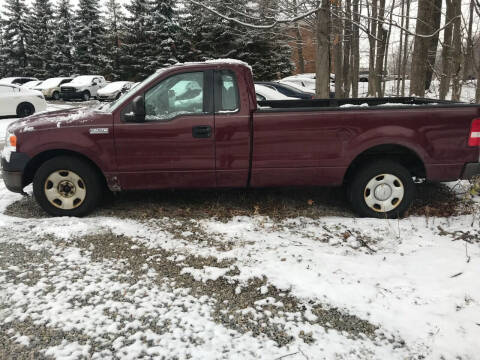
(474, 139)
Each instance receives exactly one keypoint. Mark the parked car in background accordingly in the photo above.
(114, 90)
(82, 87)
(50, 88)
(288, 90)
(17, 80)
(303, 82)
(267, 93)
(32, 84)
(19, 101)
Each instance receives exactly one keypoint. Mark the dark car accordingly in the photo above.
(289, 90)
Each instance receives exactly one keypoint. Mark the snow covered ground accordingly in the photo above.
(139, 278)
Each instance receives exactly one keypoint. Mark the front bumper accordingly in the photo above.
(71, 95)
(471, 170)
(12, 171)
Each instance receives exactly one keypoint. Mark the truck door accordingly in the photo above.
(175, 146)
(232, 129)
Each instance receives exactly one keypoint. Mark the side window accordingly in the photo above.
(177, 95)
(227, 92)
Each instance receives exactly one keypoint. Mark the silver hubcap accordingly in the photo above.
(384, 193)
(64, 189)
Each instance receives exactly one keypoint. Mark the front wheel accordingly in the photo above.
(56, 95)
(67, 186)
(86, 95)
(382, 189)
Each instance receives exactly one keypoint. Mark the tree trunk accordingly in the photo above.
(372, 42)
(405, 49)
(323, 52)
(469, 67)
(387, 45)
(347, 46)
(380, 51)
(457, 60)
(355, 49)
(420, 50)
(447, 51)
(299, 41)
(400, 49)
(432, 50)
(337, 25)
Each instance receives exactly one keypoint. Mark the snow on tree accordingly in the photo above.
(114, 18)
(88, 38)
(63, 46)
(42, 39)
(15, 36)
(216, 37)
(135, 46)
(161, 35)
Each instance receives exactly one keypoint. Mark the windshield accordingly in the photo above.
(81, 80)
(115, 104)
(114, 86)
(50, 83)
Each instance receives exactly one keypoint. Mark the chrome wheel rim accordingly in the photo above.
(65, 189)
(384, 193)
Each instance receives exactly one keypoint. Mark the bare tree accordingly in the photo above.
(337, 33)
(323, 51)
(347, 48)
(380, 51)
(355, 48)
(433, 46)
(299, 40)
(372, 36)
(421, 47)
(405, 48)
(457, 61)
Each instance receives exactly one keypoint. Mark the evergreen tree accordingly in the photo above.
(214, 37)
(63, 47)
(42, 39)
(15, 37)
(161, 36)
(2, 64)
(135, 46)
(88, 38)
(113, 23)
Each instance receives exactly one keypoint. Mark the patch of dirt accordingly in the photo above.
(237, 304)
(432, 199)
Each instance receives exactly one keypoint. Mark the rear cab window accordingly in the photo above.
(226, 92)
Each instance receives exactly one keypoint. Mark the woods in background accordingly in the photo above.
(421, 45)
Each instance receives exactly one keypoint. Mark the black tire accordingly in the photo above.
(25, 109)
(56, 95)
(91, 182)
(368, 174)
(86, 95)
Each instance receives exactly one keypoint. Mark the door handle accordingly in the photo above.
(202, 131)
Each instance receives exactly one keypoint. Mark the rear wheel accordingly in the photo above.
(382, 189)
(67, 186)
(25, 109)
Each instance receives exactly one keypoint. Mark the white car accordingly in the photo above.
(82, 87)
(19, 101)
(17, 80)
(266, 93)
(32, 84)
(114, 90)
(303, 83)
(50, 88)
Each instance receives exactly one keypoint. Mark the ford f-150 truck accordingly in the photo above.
(199, 125)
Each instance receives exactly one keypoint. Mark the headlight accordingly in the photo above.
(10, 145)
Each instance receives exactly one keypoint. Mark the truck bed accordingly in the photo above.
(356, 104)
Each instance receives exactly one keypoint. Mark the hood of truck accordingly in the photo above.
(60, 119)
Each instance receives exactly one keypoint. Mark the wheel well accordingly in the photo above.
(401, 154)
(39, 159)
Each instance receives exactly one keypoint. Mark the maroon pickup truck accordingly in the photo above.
(200, 126)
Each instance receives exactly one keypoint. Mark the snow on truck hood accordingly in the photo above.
(55, 119)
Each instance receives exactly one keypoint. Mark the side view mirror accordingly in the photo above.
(138, 110)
